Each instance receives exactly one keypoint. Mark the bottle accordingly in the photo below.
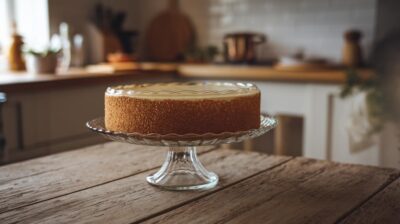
(77, 50)
(65, 47)
(352, 53)
(15, 58)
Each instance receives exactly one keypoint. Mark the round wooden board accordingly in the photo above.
(169, 35)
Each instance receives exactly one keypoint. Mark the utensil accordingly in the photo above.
(241, 47)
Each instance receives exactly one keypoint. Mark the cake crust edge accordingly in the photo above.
(135, 115)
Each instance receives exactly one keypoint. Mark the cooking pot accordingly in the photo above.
(241, 47)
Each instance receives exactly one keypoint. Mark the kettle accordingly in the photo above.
(240, 47)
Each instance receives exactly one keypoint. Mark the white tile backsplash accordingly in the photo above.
(316, 26)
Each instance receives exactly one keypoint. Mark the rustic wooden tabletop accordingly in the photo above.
(106, 184)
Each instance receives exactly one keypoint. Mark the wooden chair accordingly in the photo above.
(285, 139)
(288, 136)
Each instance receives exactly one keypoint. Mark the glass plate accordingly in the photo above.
(182, 169)
(266, 123)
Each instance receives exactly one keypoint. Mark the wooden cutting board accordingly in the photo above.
(131, 66)
(305, 67)
(169, 34)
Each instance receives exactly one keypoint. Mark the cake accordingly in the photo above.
(181, 108)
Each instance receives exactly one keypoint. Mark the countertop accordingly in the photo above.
(22, 81)
(268, 73)
(14, 82)
(106, 184)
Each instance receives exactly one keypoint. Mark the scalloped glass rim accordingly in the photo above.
(266, 123)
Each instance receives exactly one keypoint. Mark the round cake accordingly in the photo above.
(181, 108)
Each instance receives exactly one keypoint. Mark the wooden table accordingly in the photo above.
(106, 184)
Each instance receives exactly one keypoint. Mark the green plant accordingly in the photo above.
(44, 53)
(383, 89)
(375, 99)
(206, 54)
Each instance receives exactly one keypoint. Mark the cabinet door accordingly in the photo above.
(47, 121)
(69, 110)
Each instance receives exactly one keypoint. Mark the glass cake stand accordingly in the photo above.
(182, 170)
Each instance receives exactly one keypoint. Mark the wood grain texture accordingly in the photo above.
(131, 67)
(384, 207)
(289, 135)
(170, 34)
(131, 199)
(106, 184)
(332, 76)
(48, 177)
(23, 82)
(300, 191)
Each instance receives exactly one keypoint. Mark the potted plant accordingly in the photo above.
(41, 62)
(382, 90)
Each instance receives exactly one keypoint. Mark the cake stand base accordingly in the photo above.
(182, 170)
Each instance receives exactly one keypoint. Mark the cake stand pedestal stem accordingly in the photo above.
(182, 170)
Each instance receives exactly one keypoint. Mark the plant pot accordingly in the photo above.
(37, 64)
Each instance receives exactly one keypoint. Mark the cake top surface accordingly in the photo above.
(185, 91)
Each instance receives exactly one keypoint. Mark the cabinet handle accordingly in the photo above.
(2, 137)
(20, 133)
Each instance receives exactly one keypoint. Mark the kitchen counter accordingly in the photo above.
(44, 113)
(47, 102)
(106, 184)
(22, 81)
(265, 73)
(14, 82)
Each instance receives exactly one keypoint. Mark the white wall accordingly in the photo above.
(33, 22)
(316, 26)
(5, 23)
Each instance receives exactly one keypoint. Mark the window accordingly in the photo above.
(4, 22)
(32, 20)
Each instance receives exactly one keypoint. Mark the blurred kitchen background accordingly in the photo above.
(328, 69)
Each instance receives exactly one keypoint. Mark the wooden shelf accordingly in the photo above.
(244, 72)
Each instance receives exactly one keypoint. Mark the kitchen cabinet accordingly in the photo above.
(49, 115)
(327, 118)
(50, 120)
(42, 119)
(314, 96)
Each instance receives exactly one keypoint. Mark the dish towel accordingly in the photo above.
(358, 128)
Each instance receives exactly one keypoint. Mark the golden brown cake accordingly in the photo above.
(196, 107)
